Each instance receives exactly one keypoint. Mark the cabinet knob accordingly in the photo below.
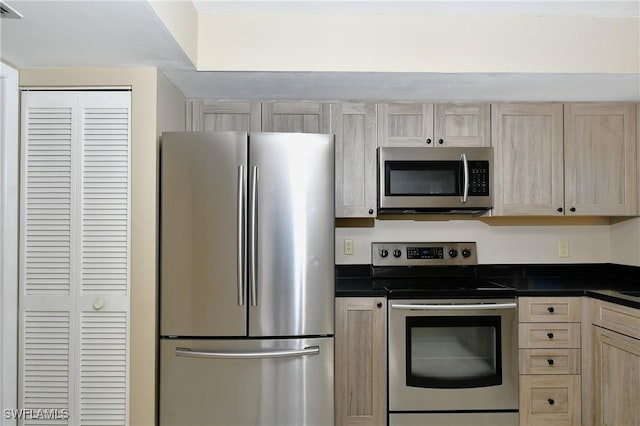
(550, 335)
(560, 209)
(550, 361)
(370, 211)
(573, 209)
(551, 401)
(440, 141)
(428, 141)
(379, 304)
(551, 309)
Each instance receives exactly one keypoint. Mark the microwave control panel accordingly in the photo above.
(422, 254)
(478, 178)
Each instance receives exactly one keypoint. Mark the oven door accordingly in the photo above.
(450, 355)
(434, 178)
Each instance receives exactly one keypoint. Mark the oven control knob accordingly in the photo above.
(397, 253)
(453, 253)
(384, 253)
(466, 252)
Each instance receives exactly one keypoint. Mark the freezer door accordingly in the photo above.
(246, 382)
(291, 234)
(203, 188)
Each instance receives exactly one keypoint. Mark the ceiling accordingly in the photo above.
(130, 34)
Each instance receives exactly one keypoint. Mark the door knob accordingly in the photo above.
(98, 304)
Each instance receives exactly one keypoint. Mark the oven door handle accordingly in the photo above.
(439, 307)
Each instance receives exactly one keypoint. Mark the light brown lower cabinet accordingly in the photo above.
(616, 376)
(550, 351)
(360, 361)
(550, 400)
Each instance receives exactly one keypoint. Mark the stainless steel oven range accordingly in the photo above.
(452, 346)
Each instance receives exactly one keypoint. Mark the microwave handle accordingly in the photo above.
(465, 185)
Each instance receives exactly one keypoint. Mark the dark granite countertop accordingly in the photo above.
(607, 282)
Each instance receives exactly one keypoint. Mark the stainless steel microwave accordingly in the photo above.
(434, 180)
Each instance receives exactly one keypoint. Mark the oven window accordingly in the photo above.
(409, 178)
(453, 352)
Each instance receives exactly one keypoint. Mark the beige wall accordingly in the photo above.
(148, 117)
(417, 43)
(181, 19)
(625, 242)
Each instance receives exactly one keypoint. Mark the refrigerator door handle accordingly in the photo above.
(279, 353)
(240, 233)
(253, 232)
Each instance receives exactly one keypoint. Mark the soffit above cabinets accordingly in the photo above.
(131, 34)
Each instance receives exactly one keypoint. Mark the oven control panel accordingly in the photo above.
(423, 254)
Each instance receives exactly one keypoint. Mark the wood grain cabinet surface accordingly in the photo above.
(549, 335)
(571, 159)
(429, 125)
(600, 158)
(616, 364)
(223, 116)
(297, 117)
(360, 361)
(528, 150)
(354, 125)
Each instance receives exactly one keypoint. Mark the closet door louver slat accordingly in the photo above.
(75, 258)
(105, 191)
(46, 367)
(103, 372)
(47, 209)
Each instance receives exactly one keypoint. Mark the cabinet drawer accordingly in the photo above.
(549, 361)
(549, 335)
(550, 400)
(550, 309)
(621, 319)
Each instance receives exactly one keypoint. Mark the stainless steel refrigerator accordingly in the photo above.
(247, 279)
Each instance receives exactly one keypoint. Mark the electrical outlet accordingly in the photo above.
(348, 247)
(563, 249)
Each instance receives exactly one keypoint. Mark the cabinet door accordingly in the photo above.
(405, 124)
(297, 117)
(462, 125)
(550, 400)
(220, 116)
(616, 378)
(360, 361)
(600, 159)
(356, 138)
(527, 142)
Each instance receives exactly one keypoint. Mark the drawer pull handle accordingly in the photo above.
(550, 361)
(551, 401)
(551, 309)
(550, 335)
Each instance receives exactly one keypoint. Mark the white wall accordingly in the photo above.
(9, 161)
(513, 243)
(625, 242)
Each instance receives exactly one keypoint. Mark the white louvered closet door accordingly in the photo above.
(75, 261)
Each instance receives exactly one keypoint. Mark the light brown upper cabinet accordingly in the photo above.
(572, 159)
(354, 125)
(417, 124)
(600, 159)
(527, 142)
(462, 125)
(297, 117)
(209, 115)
